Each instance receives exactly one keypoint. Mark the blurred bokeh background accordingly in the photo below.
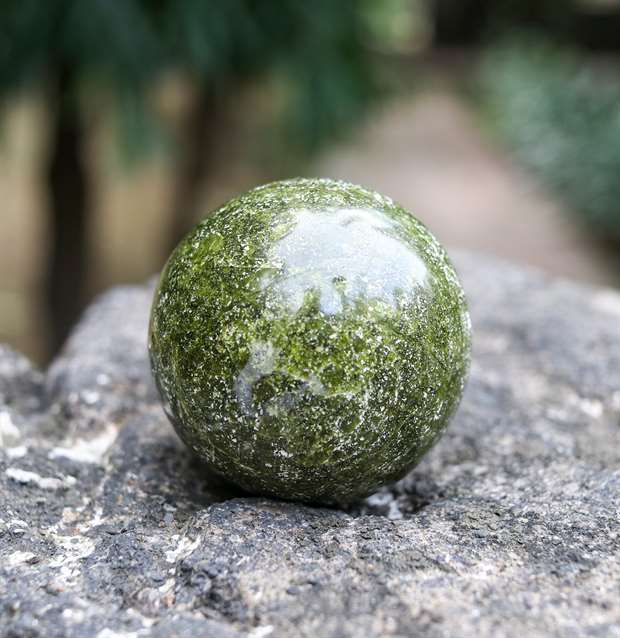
(123, 122)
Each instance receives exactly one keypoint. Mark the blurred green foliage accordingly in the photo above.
(561, 115)
(76, 52)
(317, 49)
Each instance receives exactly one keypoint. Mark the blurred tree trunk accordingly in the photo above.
(598, 28)
(196, 138)
(67, 183)
(460, 22)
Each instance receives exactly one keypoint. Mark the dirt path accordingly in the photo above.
(429, 154)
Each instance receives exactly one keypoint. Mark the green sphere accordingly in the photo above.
(310, 340)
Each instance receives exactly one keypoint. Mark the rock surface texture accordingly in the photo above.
(509, 527)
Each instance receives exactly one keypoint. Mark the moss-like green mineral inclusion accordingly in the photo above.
(310, 340)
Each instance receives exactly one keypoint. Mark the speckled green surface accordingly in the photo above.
(310, 340)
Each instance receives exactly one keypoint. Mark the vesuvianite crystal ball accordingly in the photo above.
(310, 340)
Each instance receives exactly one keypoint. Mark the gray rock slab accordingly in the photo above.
(509, 527)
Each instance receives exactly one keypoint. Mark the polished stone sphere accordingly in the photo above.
(310, 340)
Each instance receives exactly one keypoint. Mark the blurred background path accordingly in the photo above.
(429, 153)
